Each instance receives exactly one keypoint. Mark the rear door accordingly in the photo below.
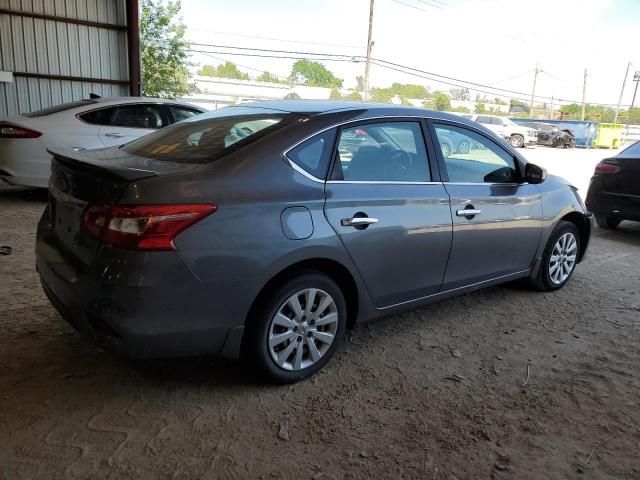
(386, 203)
(128, 122)
(497, 218)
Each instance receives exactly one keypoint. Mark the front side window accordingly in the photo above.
(208, 139)
(392, 151)
(473, 158)
(313, 155)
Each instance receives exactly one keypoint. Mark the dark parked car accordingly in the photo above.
(199, 240)
(614, 191)
(552, 136)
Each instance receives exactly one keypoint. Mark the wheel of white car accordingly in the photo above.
(517, 140)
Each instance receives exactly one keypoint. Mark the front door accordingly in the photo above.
(497, 218)
(392, 218)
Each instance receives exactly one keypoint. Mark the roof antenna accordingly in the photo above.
(93, 96)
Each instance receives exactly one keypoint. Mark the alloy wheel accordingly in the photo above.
(303, 329)
(563, 258)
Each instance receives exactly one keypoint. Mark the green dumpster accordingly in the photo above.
(609, 135)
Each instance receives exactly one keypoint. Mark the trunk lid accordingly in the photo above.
(96, 177)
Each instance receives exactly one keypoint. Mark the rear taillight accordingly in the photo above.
(13, 131)
(604, 168)
(142, 227)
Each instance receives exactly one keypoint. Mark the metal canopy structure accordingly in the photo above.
(56, 51)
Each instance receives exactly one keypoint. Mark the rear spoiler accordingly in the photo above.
(105, 166)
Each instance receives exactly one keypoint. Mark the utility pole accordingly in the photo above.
(551, 109)
(369, 46)
(584, 93)
(533, 90)
(624, 82)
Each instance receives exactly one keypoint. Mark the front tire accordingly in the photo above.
(608, 222)
(559, 258)
(296, 330)
(517, 141)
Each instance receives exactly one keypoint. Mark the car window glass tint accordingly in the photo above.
(102, 116)
(633, 149)
(473, 158)
(137, 116)
(59, 108)
(483, 119)
(313, 154)
(393, 151)
(180, 113)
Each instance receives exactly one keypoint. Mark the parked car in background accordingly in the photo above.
(92, 123)
(614, 191)
(185, 242)
(518, 136)
(552, 136)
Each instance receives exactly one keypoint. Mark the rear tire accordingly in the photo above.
(610, 223)
(289, 340)
(559, 259)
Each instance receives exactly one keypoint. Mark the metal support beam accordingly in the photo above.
(55, 18)
(133, 41)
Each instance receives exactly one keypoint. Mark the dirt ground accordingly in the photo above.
(503, 383)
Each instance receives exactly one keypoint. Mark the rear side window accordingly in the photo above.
(59, 108)
(127, 116)
(206, 140)
(313, 155)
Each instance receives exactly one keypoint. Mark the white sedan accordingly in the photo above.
(85, 124)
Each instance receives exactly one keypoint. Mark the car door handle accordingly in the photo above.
(114, 135)
(358, 221)
(468, 212)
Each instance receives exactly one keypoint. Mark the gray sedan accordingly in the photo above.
(265, 230)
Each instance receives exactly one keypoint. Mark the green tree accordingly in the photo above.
(353, 96)
(461, 94)
(292, 96)
(268, 77)
(226, 70)
(313, 74)
(335, 94)
(381, 95)
(360, 83)
(441, 101)
(480, 108)
(163, 50)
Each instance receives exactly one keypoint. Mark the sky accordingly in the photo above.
(490, 42)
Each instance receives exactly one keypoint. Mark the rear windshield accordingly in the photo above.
(59, 108)
(633, 149)
(209, 136)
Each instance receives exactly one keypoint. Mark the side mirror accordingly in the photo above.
(534, 174)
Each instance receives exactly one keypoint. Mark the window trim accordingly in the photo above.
(443, 167)
(438, 170)
(300, 169)
(433, 173)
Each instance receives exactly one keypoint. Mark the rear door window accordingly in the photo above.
(391, 151)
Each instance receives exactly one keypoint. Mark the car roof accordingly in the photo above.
(110, 100)
(318, 107)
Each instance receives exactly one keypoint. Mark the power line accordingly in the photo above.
(331, 57)
(283, 77)
(412, 6)
(435, 5)
(274, 39)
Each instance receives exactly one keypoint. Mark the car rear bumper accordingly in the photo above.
(140, 317)
(625, 207)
